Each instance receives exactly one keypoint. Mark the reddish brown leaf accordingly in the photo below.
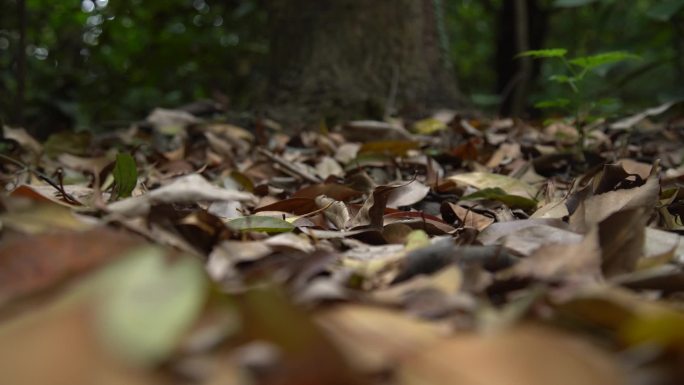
(29, 264)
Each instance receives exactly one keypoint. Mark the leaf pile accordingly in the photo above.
(448, 250)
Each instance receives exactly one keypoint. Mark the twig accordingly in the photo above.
(67, 197)
(289, 167)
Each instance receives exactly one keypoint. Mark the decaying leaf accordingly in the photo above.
(499, 359)
(485, 180)
(263, 223)
(335, 211)
(598, 207)
(190, 188)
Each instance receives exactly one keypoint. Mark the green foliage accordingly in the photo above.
(98, 64)
(125, 175)
(553, 103)
(584, 107)
(545, 53)
(594, 61)
(665, 10)
(571, 3)
(581, 104)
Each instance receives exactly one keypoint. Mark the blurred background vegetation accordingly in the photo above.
(100, 63)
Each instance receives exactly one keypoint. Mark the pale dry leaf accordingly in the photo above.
(599, 207)
(369, 130)
(483, 180)
(408, 194)
(335, 211)
(496, 231)
(622, 236)
(347, 152)
(466, 217)
(387, 335)
(327, 166)
(660, 242)
(554, 209)
(23, 138)
(525, 355)
(189, 188)
(171, 122)
(566, 262)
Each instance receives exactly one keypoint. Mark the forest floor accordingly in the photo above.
(450, 250)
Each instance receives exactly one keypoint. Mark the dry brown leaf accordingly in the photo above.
(335, 211)
(408, 194)
(387, 335)
(622, 236)
(524, 355)
(575, 262)
(29, 264)
(57, 344)
(189, 188)
(599, 207)
(465, 217)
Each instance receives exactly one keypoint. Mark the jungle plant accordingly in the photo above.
(580, 104)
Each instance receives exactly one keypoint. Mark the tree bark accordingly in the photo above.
(346, 59)
(522, 26)
(21, 64)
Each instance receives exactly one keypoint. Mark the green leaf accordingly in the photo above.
(665, 10)
(545, 53)
(260, 223)
(429, 126)
(554, 103)
(571, 3)
(591, 62)
(148, 303)
(564, 79)
(125, 175)
(497, 194)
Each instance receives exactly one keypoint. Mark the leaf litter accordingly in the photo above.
(454, 250)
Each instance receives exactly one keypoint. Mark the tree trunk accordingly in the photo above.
(522, 26)
(21, 64)
(344, 59)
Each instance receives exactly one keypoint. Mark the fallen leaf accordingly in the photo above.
(189, 188)
(429, 126)
(335, 191)
(407, 194)
(146, 305)
(265, 224)
(622, 236)
(32, 263)
(388, 335)
(389, 147)
(548, 357)
(485, 180)
(464, 217)
(497, 194)
(598, 207)
(335, 211)
(574, 262)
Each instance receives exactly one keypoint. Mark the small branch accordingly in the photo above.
(57, 186)
(289, 167)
